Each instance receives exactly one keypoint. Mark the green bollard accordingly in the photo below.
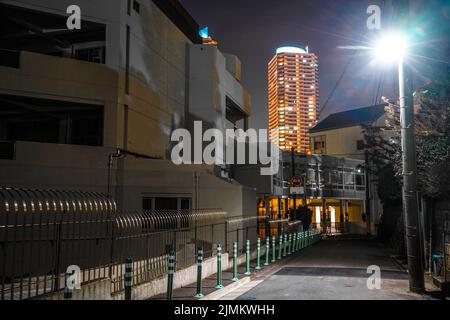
(258, 255)
(289, 244)
(170, 273)
(280, 249)
(128, 279)
(302, 240)
(285, 245)
(299, 241)
(235, 266)
(295, 243)
(267, 251)
(247, 259)
(219, 267)
(199, 293)
(274, 248)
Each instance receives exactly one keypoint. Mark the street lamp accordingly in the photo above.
(394, 48)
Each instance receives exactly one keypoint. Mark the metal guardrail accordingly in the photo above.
(43, 232)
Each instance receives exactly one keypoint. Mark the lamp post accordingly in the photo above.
(410, 202)
(393, 47)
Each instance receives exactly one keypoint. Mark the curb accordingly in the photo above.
(216, 295)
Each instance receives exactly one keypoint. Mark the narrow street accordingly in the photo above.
(332, 269)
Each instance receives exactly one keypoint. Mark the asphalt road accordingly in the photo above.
(333, 270)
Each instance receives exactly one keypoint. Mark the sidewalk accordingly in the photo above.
(209, 283)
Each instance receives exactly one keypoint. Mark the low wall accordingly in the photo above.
(101, 290)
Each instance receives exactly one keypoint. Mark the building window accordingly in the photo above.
(96, 55)
(10, 59)
(360, 145)
(18, 35)
(166, 203)
(136, 6)
(50, 121)
(319, 144)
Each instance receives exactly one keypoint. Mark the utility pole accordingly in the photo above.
(367, 184)
(410, 203)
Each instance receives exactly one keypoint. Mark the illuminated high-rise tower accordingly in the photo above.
(293, 97)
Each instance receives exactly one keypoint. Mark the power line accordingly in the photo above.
(324, 107)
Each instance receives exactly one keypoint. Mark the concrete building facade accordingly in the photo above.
(94, 109)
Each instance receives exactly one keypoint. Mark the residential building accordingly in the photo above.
(331, 187)
(293, 78)
(343, 135)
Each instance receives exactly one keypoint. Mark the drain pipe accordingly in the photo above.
(112, 156)
(120, 154)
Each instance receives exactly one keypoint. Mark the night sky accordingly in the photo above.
(253, 29)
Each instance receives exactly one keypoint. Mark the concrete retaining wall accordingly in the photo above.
(101, 290)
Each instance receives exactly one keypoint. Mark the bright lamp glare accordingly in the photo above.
(391, 48)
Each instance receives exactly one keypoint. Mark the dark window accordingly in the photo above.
(360, 145)
(24, 29)
(185, 204)
(319, 144)
(166, 203)
(136, 6)
(129, 7)
(147, 204)
(96, 55)
(9, 59)
(7, 150)
(50, 121)
(359, 180)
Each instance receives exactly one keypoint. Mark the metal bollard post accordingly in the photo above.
(267, 251)
(235, 266)
(304, 240)
(247, 258)
(280, 248)
(219, 267)
(289, 244)
(170, 273)
(258, 255)
(298, 241)
(128, 278)
(274, 248)
(294, 247)
(67, 291)
(285, 245)
(199, 293)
